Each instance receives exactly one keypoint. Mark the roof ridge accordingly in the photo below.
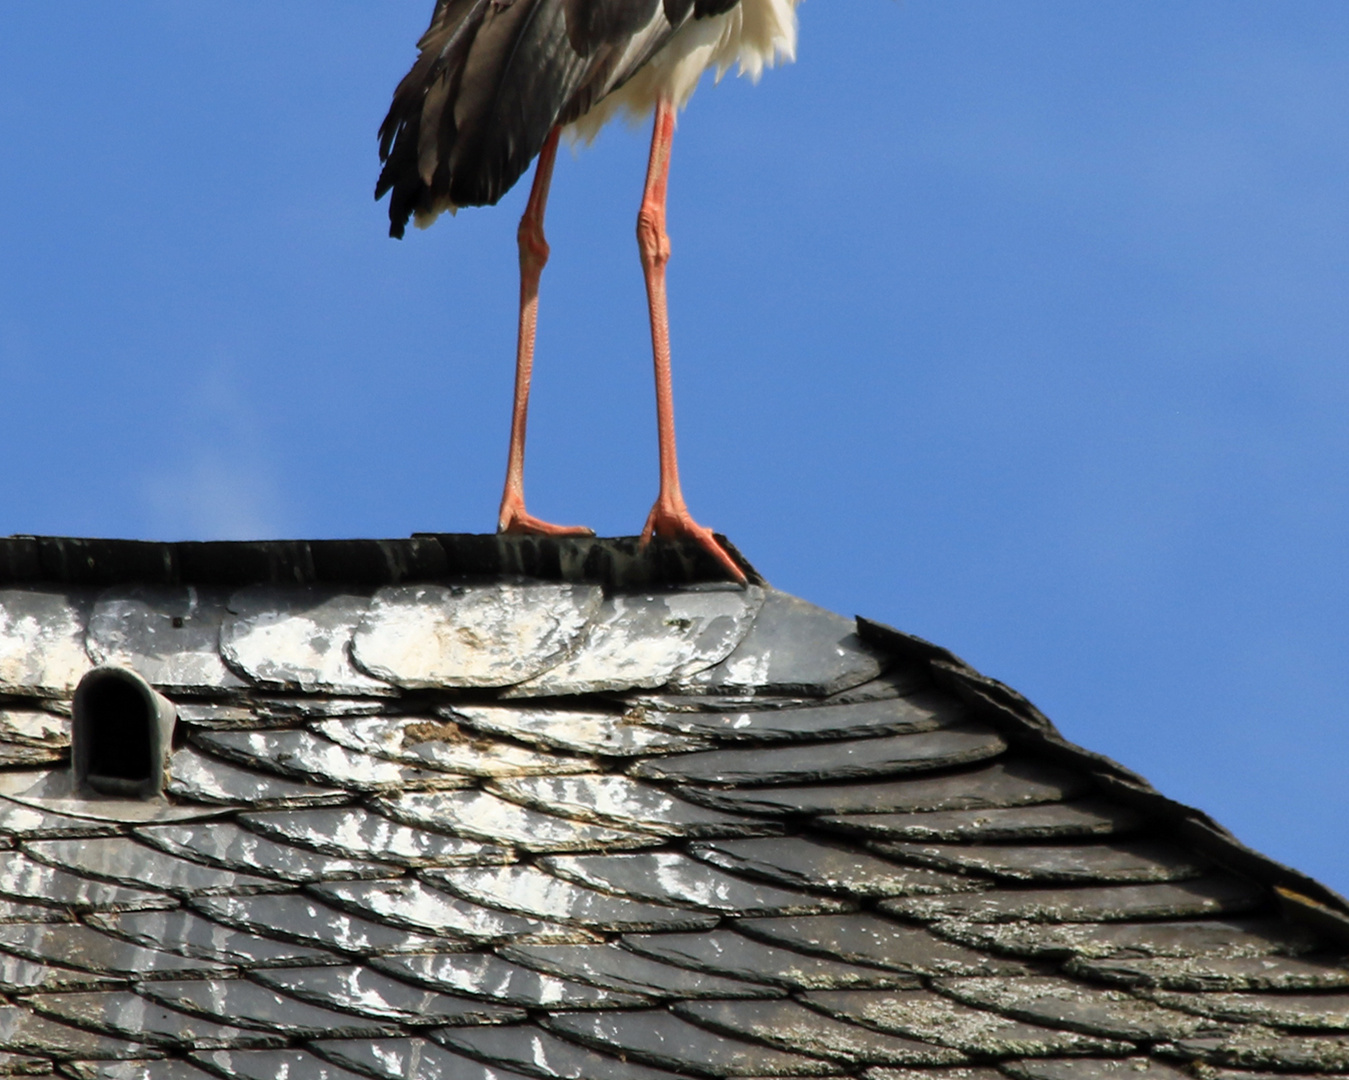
(621, 562)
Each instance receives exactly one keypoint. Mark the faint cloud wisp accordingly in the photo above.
(222, 485)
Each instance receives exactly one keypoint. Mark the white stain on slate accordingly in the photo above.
(296, 639)
(647, 640)
(428, 636)
(41, 642)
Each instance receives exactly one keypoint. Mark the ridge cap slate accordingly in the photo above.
(614, 562)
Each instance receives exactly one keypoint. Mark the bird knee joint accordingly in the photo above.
(533, 247)
(651, 235)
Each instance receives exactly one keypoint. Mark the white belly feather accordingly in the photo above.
(751, 36)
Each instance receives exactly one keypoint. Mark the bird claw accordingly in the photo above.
(670, 519)
(514, 519)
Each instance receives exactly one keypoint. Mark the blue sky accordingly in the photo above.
(1021, 326)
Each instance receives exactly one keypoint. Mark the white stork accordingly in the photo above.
(496, 82)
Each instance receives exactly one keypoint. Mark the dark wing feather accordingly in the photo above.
(493, 77)
(592, 23)
(519, 74)
(419, 123)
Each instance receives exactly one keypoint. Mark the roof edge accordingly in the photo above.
(1301, 897)
(622, 562)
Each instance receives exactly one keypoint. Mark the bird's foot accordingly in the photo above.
(670, 518)
(514, 519)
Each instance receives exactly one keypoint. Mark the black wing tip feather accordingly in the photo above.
(400, 206)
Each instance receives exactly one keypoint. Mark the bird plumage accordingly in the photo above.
(494, 77)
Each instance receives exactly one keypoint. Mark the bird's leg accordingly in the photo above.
(669, 517)
(533, 257)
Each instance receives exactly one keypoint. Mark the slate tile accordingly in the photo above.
(623, 802)
(645, 640)
(19, 976)
(1171, 900)
(24, 756)
(1132, 940)
(814, 864)
(216, 716)
(161, 1069)
(896, 681)
(203, 778)
(122, 1013)
(311, 708)
(838, 760)
(536, 1052)
(1062, 1003)
(354, 833)
(925, 711)
(1255, 1047)
(53, 791)
(1087, 1068)
(300, 918)
(1122, 861)
(610, 734)
(272, 1065)
(723, 952)
(664, 702)
(1313, 1012)
(296, 638)
(406, 1059)
(891, 1072)
(79, 946)
(1246, 1074)
(35, 727)
(192, 935)
(791, 1026)
(529, 891)
(306, 756)
(248, 1004)
(24, 1031)
(864, 938)
(18, 822)
(793, 647)
(369, 993)
(669, 877)
(431, 636)
(921, 1014)
(1217, 973)
(484, 975)
(1008, 782)
(615, 968)
(124, 861)
(410, 903)
(659, 1038)
(25, 879)
(224, 844)
(24, 1065)
(42, 641)
(442, 744)
(169, 635)
(1045, 821)
(14, 911)
(480, 815)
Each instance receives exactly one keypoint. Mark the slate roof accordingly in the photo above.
(472, 807)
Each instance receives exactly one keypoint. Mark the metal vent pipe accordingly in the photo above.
(121, 734)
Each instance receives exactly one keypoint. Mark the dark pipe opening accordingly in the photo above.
(119, 742)
(121, 734)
